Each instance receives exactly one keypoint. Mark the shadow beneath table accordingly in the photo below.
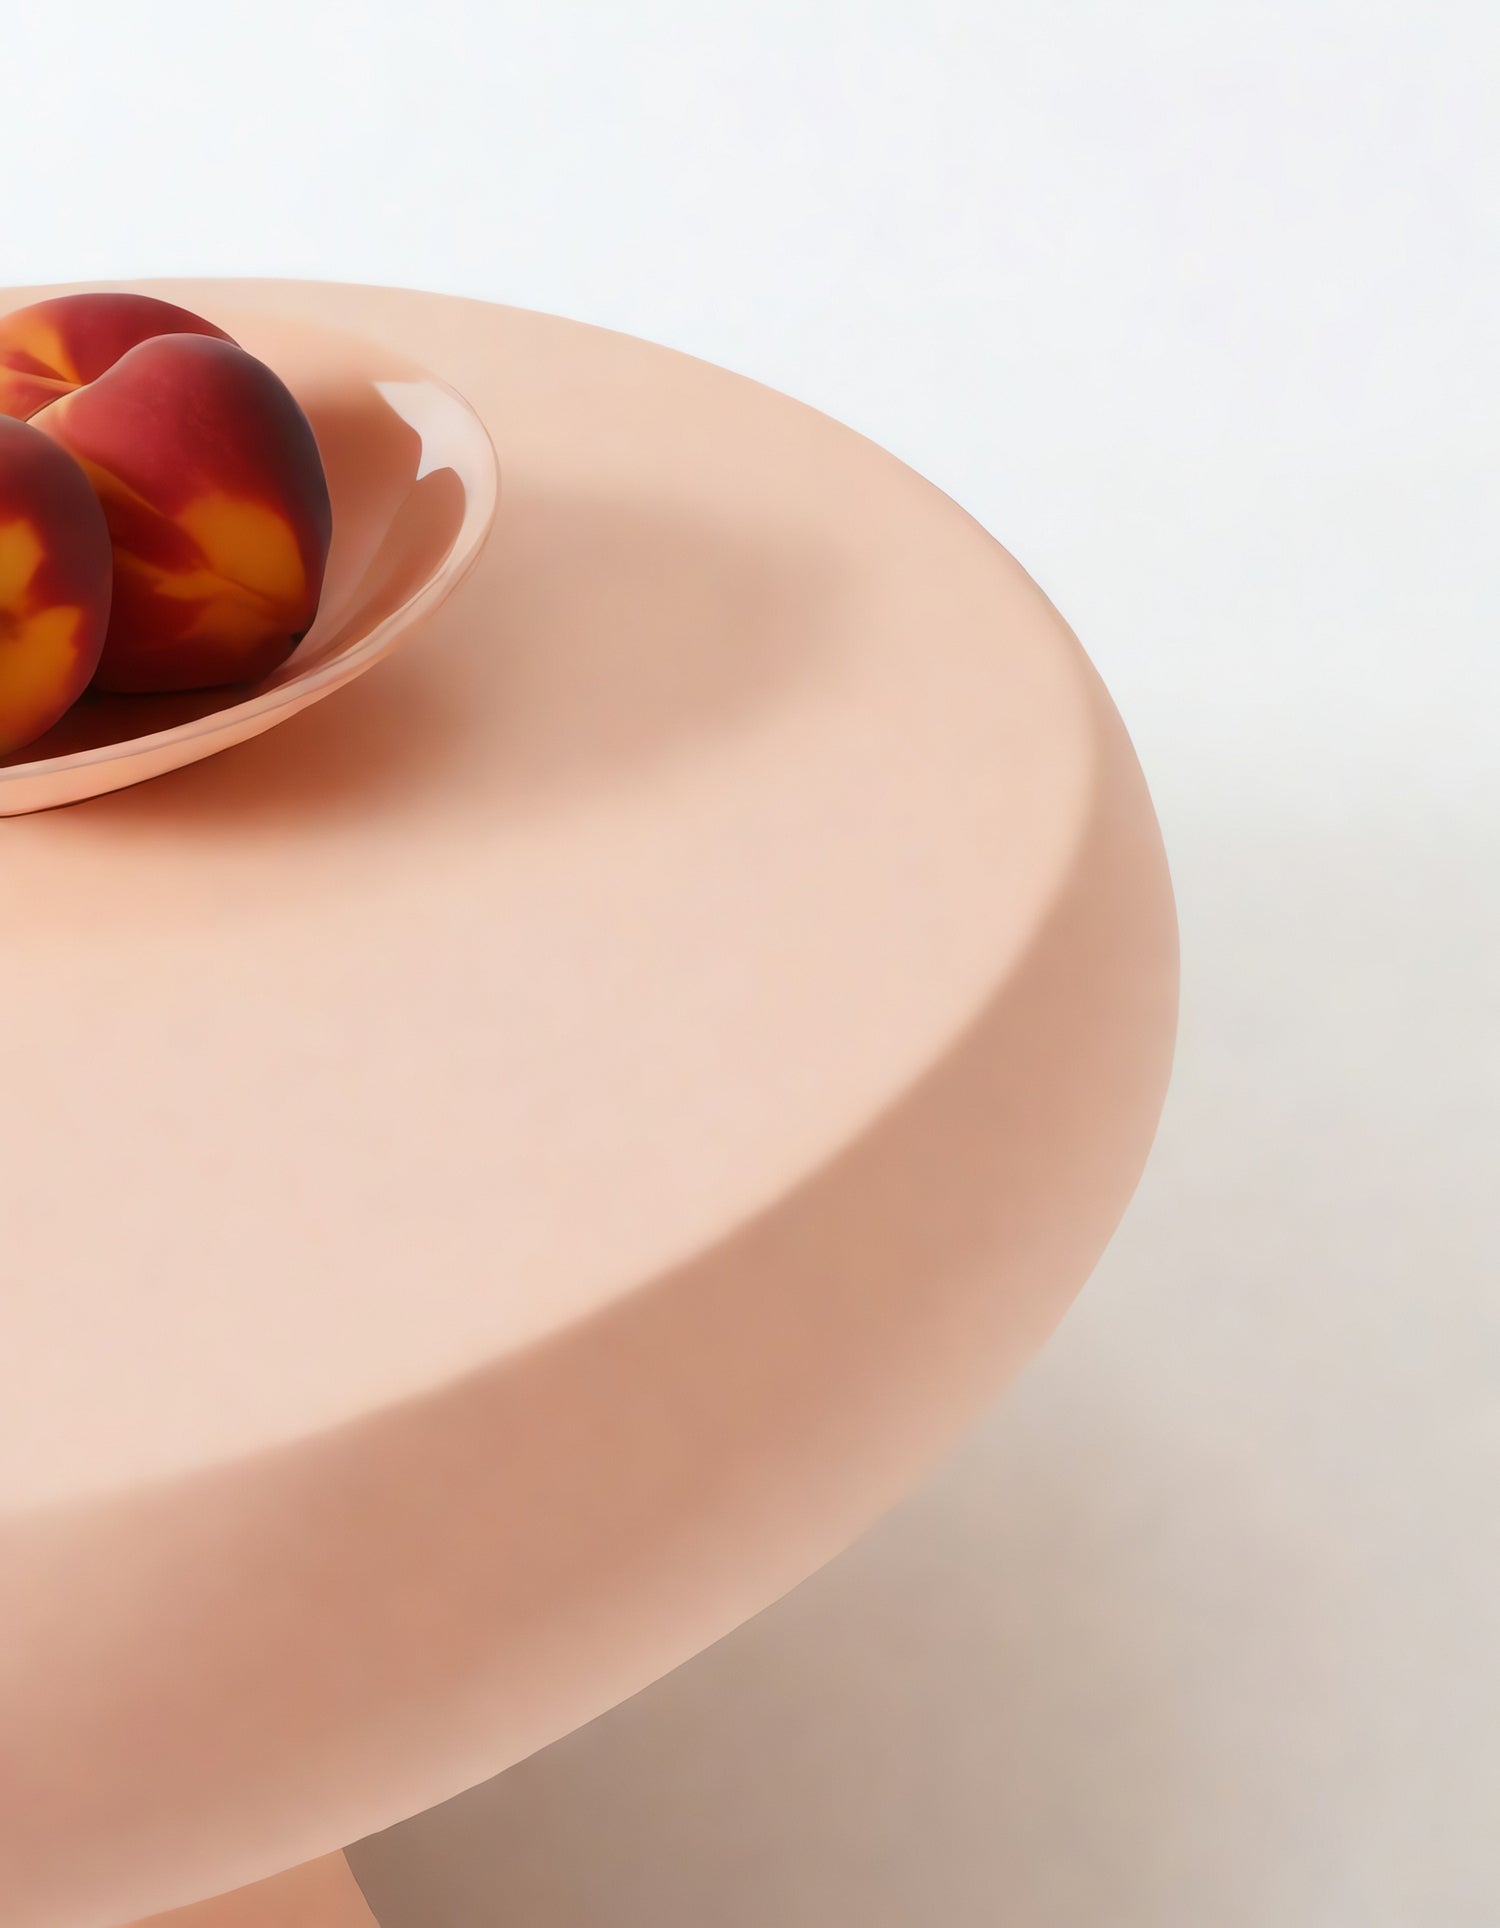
(973, 1719)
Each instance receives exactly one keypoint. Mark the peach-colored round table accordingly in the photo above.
(506, 1173)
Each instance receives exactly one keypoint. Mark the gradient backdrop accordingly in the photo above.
(1195, 306)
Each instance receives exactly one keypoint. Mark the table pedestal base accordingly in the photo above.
(323, 1894)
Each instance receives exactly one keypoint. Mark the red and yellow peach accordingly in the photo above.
(52, 347)
(55, 570)
(217, 506)
(206, 473)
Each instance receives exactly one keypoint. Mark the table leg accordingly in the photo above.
(323, 1894)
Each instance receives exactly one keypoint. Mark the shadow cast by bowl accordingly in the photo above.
(594, 638)
(629, 633)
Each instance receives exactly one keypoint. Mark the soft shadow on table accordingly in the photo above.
(595, 637)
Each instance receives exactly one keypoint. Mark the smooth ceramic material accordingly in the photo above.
(413, 480)
(506, 1174)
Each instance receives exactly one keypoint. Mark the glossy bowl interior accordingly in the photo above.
(414, 483)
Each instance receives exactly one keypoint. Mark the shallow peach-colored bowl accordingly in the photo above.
(414, 481)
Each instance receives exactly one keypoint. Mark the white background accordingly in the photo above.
(1197, 306)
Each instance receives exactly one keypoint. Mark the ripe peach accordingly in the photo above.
(53, 347)
(55, 568)
(217, 506)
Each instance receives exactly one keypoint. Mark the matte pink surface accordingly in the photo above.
(508, 1172)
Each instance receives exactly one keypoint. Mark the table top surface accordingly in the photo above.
(649, 873)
